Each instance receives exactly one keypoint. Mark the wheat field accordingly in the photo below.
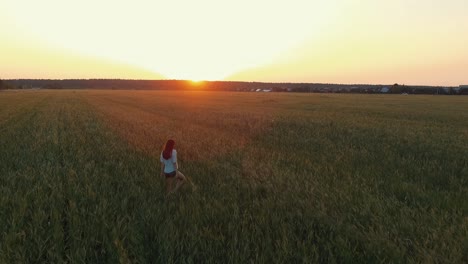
(281, 177)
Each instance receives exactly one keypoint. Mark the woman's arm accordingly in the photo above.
(162, 170)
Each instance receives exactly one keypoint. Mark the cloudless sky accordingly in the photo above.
(334, 41)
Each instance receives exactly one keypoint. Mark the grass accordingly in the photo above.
(281, 177)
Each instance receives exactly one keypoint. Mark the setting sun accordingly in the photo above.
(196, 84)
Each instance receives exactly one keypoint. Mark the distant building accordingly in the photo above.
(444, 90)
(463, 89)
(385, 90)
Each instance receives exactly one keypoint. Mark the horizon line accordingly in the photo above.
(240, 81)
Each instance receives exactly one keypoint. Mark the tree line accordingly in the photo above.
(225, 86)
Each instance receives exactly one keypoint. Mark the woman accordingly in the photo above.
(169, 168)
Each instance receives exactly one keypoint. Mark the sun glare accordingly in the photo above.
(196, 83)
(210, 44)
(242, 40)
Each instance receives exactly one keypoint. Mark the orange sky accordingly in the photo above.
(335, 41)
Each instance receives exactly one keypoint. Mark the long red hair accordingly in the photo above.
(167, 152)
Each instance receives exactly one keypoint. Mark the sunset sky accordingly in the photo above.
(333, 41)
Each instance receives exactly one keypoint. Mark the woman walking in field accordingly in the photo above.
(169, 168)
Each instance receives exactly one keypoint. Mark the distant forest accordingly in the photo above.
(225, 86)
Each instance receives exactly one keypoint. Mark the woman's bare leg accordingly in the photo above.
(191, 183)
(169, 184)
(180, 178)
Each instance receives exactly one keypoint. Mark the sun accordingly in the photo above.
(196, 82)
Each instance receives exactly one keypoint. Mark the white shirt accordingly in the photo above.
(169, 164)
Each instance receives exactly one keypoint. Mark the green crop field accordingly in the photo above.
(282, 178)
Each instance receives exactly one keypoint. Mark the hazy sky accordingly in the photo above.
(335, 41)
